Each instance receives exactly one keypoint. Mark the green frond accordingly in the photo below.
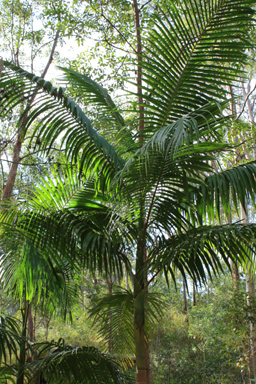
(77, 365)
(236, 185)
(198, 252)
(195, 49)
(54, 115)
(108, 118)
(8, 374)
(113, 318)
(94, 94)
(9, 339)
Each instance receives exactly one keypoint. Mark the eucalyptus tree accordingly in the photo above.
(151, 189)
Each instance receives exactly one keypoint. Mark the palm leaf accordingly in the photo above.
(77, 365)
(220, 190)
(113, 318)
(9, 338)
(54, 114)
(198, 251)
(195, 49)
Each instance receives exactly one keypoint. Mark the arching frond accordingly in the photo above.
(113, 318)
(219, 190)
(77, 365)
(54, 114)
(94, 93)
(195, 49)
(9, 338)
(198, 252)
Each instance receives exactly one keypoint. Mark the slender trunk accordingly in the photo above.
(110, 336)
(194, 295)
(31, 328)
(139, 70)
(185, 307)
(140, 278)
(234, 116)
(250, 291)
(250, 284)
(22, 358)
(141, 345)
(8, 187)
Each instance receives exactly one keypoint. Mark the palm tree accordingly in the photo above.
(152, 190)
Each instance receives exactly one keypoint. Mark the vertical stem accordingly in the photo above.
(22, 359)
(8, 187)
(185, 308)
(110, 336)
(194, 295)
(140, 278)
(139, 70)
(141, 345)
(250, 291)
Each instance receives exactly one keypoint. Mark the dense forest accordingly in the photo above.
(128, 192)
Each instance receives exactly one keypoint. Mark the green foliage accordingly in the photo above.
(144, 194)
(209, 344)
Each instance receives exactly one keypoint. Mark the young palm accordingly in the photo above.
(157, 185)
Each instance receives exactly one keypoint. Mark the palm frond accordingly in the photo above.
(195, 49)
(54, 114)
(77, 365)
(113, 318)
(220, 190)
(9, 339)
(94, 94)
(198, 251)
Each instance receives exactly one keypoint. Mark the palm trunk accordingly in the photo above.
(140, 278)
(141, 345)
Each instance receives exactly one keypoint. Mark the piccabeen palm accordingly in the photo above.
(153, 187)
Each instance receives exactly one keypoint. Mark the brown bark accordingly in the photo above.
(31, 328)
(110, 336)
(9, 185)
(140, 279)
(250, 291)
(194, 295)
(139, 70)
(185, 307)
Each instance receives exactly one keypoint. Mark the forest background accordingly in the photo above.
(203, 332)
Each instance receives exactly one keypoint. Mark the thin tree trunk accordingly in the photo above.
(22, 357)
(185, 307)
(139, 70)
(110, 336)
(31, 328)
(9, 185)
(250, 285)
(234, 116)
(141, 345)
(250, 291)
(140, 278)
(194, 295)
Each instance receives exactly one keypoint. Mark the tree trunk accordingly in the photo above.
(22, 358)
(140, 278)
(141, 343)
(185, 307)
(194, 295)
(9, 185)
(250, 291)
